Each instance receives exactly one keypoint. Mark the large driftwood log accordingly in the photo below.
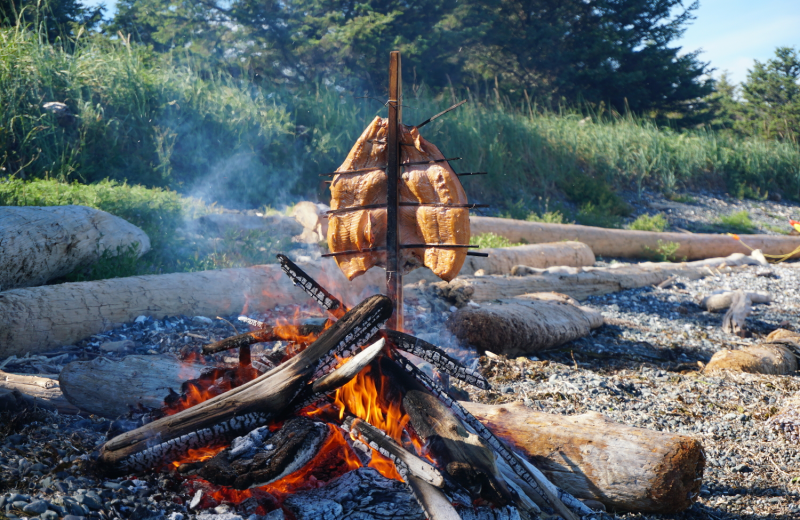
(111, 388)
(246, 407)
(523, 325)
(592, 457)
(632, 244)
(43, 391)
(43, 243)
(40, 318)
(578, 283)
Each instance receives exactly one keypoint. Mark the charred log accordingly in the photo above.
(261, 457)
(242, 409)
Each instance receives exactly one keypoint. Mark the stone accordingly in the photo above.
(49, 515)
(37, 507)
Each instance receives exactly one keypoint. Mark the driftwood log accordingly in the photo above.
(523, 325)
(501, 260)
(112, 388)
(43, 392)
(740, 307)
(777, 356)
(592, 457)
(238, 411)
(721, 300)
(632, 244)
(42, 243)
(41, 318)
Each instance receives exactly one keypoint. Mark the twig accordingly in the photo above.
(229, 323)
(440, 114)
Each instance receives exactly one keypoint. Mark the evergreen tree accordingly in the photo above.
(58, 18)
(772, 96)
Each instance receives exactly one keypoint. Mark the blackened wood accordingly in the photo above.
(305, 328)
(349, 370)
(394, 277)
(260, 458)
(244, 408)
(440, 114)
(432, 499)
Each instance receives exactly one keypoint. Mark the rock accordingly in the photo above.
(37, 508)
(224, 516)
(92, 502)
(743, 468)
(117, 346)
(73, 517)
(49, 515)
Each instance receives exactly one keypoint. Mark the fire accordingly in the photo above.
(198, 455)
(368, 397)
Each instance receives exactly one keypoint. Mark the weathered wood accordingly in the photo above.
(632, 244)
(41, 318)
(502, 259)
(43, 391)
(770, 358)
(592, 457)
(733, 321)
(313, 219)
(721, 300)
(246, 407)
(349, 370)
(432, 500)
(523, 325)
(578, 283)
(111, 388)
(42, 243)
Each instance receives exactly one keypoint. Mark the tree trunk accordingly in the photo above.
(632, 244)
(111, 388)
(246, 407)
(523, 325)
(592, 457)
(44, 392)
(39, 319)
(42, 243)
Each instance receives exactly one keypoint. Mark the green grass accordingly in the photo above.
(664, 252)
(737, 223)
(151, 120)
(492, 240)
(649, 223)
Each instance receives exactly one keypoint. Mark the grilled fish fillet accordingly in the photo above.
(435, 183)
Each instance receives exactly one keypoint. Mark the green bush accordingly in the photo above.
(492, 240)
(649, 223)
(548, 217)
(737, 223)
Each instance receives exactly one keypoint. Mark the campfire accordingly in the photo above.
(327, 409)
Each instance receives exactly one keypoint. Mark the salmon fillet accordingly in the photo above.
(426, 183)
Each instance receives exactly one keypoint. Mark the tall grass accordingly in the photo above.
(150, 119)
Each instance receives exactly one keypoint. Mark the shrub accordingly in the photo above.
(492, 240)
(649, 223)
(737, 223)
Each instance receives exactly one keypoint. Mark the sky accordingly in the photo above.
(731, 33)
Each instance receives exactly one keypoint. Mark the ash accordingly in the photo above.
(642, 369)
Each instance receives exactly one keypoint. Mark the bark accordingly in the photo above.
(39, 319)
(42, 391)
(770, 358)
(721, 300)
(43, 243)
(112, 388)
(246, 407)
(592, 457)
(632, 244)
(523, 325)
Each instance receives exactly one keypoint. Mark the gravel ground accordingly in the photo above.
(643, 368)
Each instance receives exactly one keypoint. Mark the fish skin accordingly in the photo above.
(429, 183)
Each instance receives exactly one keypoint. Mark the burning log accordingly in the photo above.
(43, 243)
(525, 324)
(36, 391)
(244, 408)
(261, 457)
(111, 388)
(309, 327)
(626, 243)
(594, 458)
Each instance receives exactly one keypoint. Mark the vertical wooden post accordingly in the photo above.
(394, 277)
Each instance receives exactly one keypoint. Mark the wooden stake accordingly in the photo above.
(394, 277)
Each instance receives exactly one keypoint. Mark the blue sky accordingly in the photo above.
(731, 33)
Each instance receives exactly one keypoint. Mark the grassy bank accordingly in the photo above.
(143, 118)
